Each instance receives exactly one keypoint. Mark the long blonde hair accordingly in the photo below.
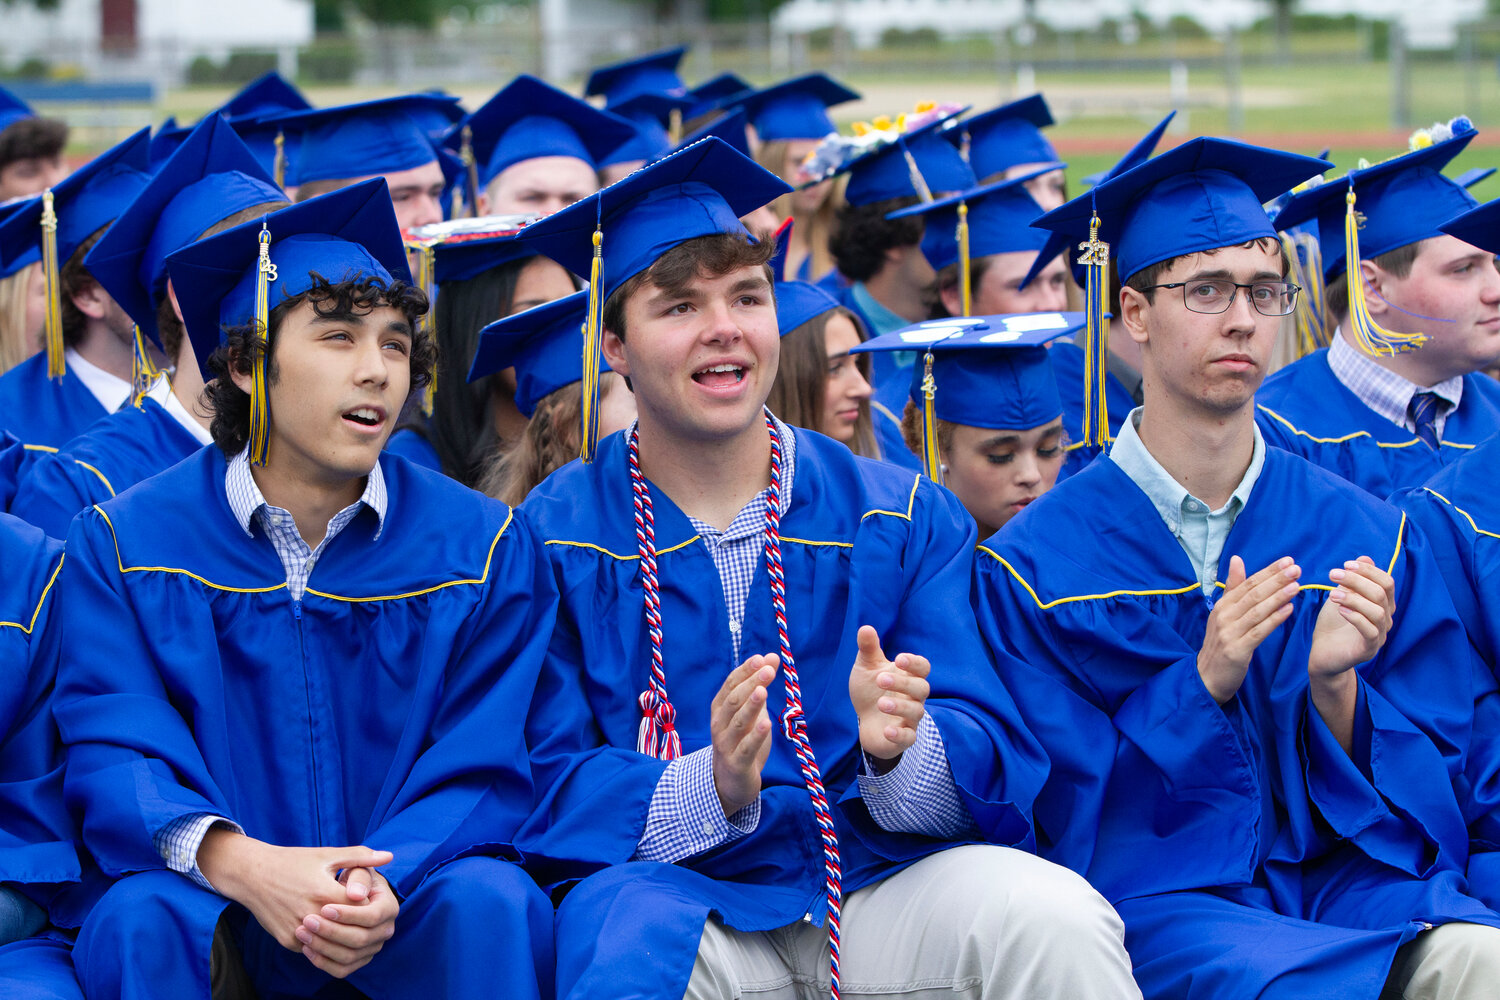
(16, 342)
(819, 227)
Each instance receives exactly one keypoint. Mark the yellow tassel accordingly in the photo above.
(1371, 337)
(425, 276)
(674, 125)
(592, 349)
(143, 370)
(265, 273)
(471, 171)
(278, 164)
(965, 292)
(1307, 270)
(57, 366)
(932, 459)
(1095, 259)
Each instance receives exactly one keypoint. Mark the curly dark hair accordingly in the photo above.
(862, 234)
(243, 345)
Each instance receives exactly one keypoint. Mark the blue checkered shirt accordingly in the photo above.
(684, 819)
(1385, 392)
(179, 840)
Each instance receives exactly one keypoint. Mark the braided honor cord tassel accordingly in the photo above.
(794, 721)
(658, 734)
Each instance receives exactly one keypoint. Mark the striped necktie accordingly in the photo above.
(1423, 411)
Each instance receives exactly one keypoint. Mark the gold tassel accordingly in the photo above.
(471, 171)
(674, 126)
(265, 273)
(1307, 272)
(1372, 338)
(1095, 259)
(425, 281)
(143, 370)
(278, 163)
(965, 292)
(592, 349)
(932, 459)
(57, 365)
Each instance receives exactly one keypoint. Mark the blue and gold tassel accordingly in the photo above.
(964, 270)
(471, 171)
(1307, 271)
(278, 163)
(143, 370)
(423, 251)
(1371, 337)
(1094, 258)
(57, 365)
(592, 350)
(932, 459)
(265, 273)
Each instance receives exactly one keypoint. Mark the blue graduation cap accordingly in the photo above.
(238, 276)
(168, 136)
(12, 109)
(210, 177)
(264, 95)
(372, 137)
(730, 128)
(981, 371)
(714, 93)
(1479, 226)
(796, 108)
(992, 218)
(1205, 194)
(797, 302)
(59, 220)
(1469, 178)
(1058, 241)
(527, 119)
(542, 344)
(697, 191)
(468, 257)
(890, 163)
(655, 73)
(650, 115)
(1008, 136)
(1400, 201)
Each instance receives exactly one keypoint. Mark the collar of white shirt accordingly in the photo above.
(110, 390)
(161, 392)
(1381, 389)
(245, 498)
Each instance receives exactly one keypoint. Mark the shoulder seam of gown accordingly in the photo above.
(616, 555)
(911, 502)
(39, 447)
(102, 478)
(39, 602)
(1466, 515)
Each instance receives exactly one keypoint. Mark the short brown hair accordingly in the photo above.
(312, 189)
(1395, 262)
(1149, 275)
(711, 256)
(948, 278)
(32, 139)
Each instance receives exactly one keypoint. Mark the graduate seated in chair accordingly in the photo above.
(1249, 755)
(294, 669)
(751, 778)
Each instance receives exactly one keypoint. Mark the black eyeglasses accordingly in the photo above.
(1216, 295)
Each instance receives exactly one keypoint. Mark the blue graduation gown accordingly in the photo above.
(44, 411)
(1067, 365)
(414, 447)
(15, 461)
(892, 442)
(1459, 514)
(38, 855)
(863, 543)
(120, 450)
(1219, 832)
(1305, 409)
(383, 708)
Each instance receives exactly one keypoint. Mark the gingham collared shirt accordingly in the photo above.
(684, 819)
(1385, 392)
(178, 842)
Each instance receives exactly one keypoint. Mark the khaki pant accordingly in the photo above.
(1451, 962)
(976, 921)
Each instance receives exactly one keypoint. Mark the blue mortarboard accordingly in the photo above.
(527, 119)
(1469, 178)
(987, 371)
(12, 109)
(1479, 226)
(1202, 195)
(212, 176)
(169, 135)
(462, 259)
(655, 73)
(697, 191)
(730, 128)
(1403, 200)
(797, 302)
(1058, 240)
(885, 172)
(347, 234)
(999, 219)
(264, 95)
(542, 343)
(82, 203)
(796, 108)
(714, 93)
(648, 114)
(372, 137)
(1007, 136)
(26, 257)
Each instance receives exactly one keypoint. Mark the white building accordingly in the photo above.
(1431, 24)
